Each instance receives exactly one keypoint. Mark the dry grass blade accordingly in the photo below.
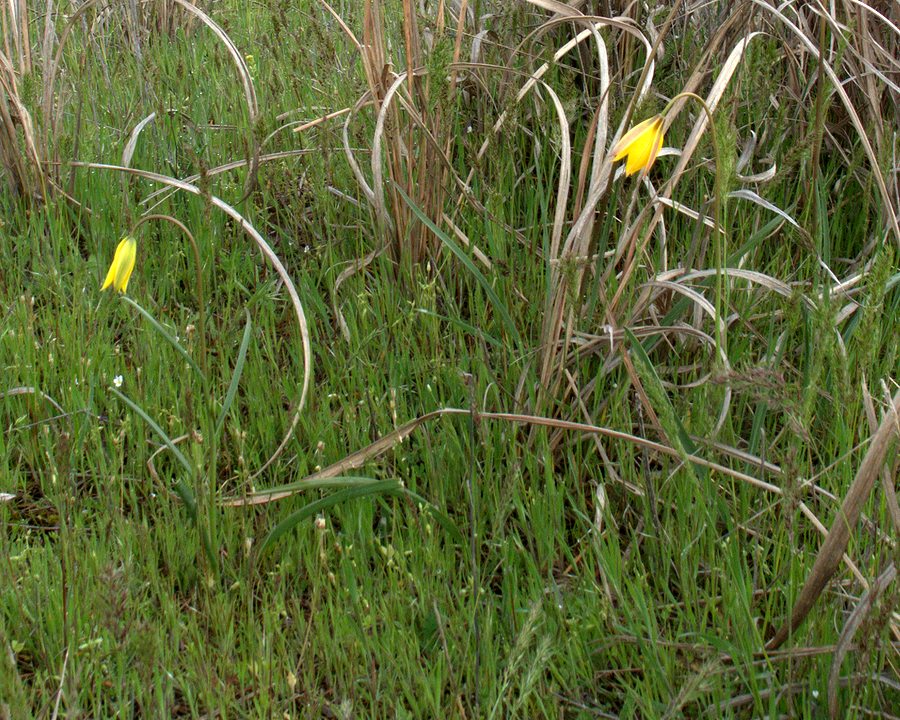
(15, 23)
(688, 212)
(279, 268)
(833, 548)
(860, 613)
(753, 276)
(380, 205)
(576, 243)
(745, 194)
(355, 168)
(535, 77)
(246, 81)
(131, 145)
(469, 245)
(344, 27)
(555, 6)
(887, 482)
(565, 173)
(32, 391)
(239, 61)
(24, 170)
(579, 237)
(407, 148)
(319, 120)
(342, 277)
(218, 170)
(385, 443)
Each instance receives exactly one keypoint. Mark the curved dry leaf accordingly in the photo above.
(767, 281)
(74, 18)
(342, 277)
(239, 61)
(378, 201)
(365, 99)
(680, 207)
(166, 192)
(759, 177)
(27, 390)
(477, 41)
(746, 153)
(392, 439)
(762, 202)
(557, 7)
(131, 145)
(565, 173)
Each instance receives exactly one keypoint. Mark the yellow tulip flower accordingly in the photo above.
(122, 265)
(640, 145)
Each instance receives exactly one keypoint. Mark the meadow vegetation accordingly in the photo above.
(415, 404)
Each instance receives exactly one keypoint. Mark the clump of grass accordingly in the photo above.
(414, 125)
(20, 155)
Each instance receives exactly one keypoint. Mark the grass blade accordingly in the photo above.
(235, 376)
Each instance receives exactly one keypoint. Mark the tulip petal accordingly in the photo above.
(640, 145)
(110, 276)
(657, 146)
(122, 265)
(621, 148)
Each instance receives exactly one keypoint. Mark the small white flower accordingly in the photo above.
(117, 381)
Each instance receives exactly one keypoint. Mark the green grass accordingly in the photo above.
(463, 571)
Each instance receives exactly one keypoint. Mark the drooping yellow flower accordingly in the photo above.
(641, 145)
(122, 265)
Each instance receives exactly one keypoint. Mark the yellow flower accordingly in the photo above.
(641, 145)
(122, 265)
